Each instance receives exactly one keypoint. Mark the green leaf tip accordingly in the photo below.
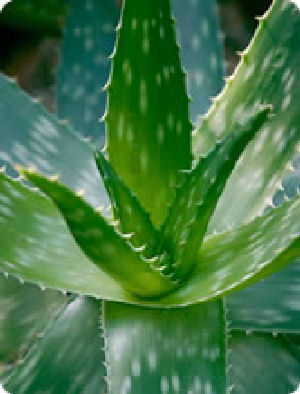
(134, 220)
(198, 196)
(155, 139)
(102, 244)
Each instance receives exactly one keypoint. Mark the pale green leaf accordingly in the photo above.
(239, 257)
(43, 250)
(33, 137)
(268, 73)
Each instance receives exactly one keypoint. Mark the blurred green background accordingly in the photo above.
(31, 31)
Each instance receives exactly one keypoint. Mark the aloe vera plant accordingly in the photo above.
(146, 295)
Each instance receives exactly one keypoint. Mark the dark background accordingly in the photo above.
(29, 50)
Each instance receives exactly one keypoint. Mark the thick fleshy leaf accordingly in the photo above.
(83, 72)
(236, 258)
(32, 136)
(25, 312)
(165, 351)
(43, 250)
(268, 72)
(127, 209)
(201, 48)
(147, 118)
(272, 304)
(102, 244)
(68, 358)
(197, 198)
(262, 363)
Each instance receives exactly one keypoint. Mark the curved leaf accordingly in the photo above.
(197, 198)
(165, 351)
(32, 137)
(43, 250)
(68, 358)
(102, 244)
(243, 255)
(269, 73)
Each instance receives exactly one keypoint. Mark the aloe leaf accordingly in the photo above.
(201, 49)
(268, 72)
(262, 363)
(127, 209)
(239, 257)
(83, 72)
(68, 358)
(148, 127)
(102, 244)
(25, 312)
(43, 251)
(33, 137)
(270, 305)
(197, 198)
(165, 351)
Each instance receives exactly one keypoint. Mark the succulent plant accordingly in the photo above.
(145, 295)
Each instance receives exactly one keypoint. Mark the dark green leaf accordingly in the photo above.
(147, 118)
(262, 363)
(201, 48)
(68, 358)
(89, 39)
(133, 219)
(109, 250)
(25, 312)
(197, 198)
(272, 304)
(165, 351)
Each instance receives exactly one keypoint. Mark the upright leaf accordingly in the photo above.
(148, 128)
(165, 351)
(33, 137)
(201, 48)
(68, 358)
(88, 41)
(134, 221)
(197, 198)
(268, 72)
